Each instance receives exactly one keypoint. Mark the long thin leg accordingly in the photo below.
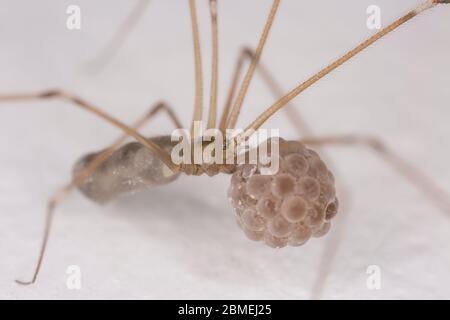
(251, 69)
(308, 83)
(328, 255)
(76, 101)
(293, 115)
(198, 106)
(437, 196)
(231, 92)
(63, 193)
(215, 65)
(118, 39)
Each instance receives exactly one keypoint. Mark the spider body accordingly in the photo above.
(286, 207)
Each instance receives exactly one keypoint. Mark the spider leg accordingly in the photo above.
(198, 105)
(123, 32)
(294, 116)
(62, 193)
(269, 112)
(214, 66)
(235, 111)
(426, 185)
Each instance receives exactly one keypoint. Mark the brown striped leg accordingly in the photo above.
(235, 111)
(426, 185)
(198, 104)
(294, 117)
(118, 39)
(214, 66)
(62, 193)
(269, 112)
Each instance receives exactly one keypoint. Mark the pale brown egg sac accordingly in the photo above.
(290, 206)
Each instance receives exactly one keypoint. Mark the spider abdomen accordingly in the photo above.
(289, 207)
(130, 168)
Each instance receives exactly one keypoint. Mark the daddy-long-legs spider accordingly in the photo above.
(246, 108)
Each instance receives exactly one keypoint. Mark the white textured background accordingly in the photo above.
(181, 241)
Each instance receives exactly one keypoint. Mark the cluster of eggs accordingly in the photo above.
(290, 206)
